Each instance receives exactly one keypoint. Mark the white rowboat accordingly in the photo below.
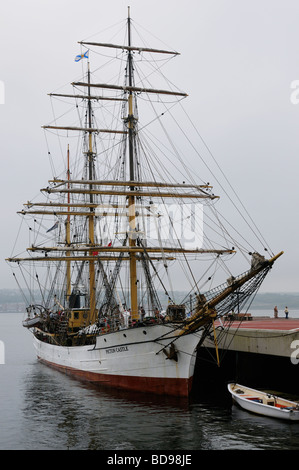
(264, 403)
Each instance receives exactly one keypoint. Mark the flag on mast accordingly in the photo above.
(54, 227)
(82, 56)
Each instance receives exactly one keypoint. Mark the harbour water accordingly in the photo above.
(44, 409)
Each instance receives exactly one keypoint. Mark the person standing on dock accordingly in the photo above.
(286, 311)
(275, 312)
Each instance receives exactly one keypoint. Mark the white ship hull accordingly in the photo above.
(131, 359)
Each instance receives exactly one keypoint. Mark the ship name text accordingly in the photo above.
(117, 349)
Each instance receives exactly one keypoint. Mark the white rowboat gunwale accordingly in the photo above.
(264, 403)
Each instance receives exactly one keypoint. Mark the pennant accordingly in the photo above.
(54, 227)
(81, 56)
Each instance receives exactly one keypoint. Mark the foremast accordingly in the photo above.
(91, 230)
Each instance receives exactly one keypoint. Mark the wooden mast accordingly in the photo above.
(68, 235)
(132, 219)
(92, 296)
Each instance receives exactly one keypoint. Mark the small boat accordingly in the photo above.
(32, 322)
(264, 403)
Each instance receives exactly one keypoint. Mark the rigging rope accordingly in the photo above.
(238, 198)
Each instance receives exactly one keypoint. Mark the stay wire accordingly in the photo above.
(236, 195)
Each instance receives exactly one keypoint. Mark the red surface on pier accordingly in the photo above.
(285, 324)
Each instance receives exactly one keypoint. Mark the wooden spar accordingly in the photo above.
(85, 129)
(157, 184)
(101, 208)
(127, 48)
(130, 193)
(132, 249)
(240, 281)
(207, 313)
(130, 89)
(78, 205)
(85, 258)
(86, 97)
(81, 213)
(65, 204)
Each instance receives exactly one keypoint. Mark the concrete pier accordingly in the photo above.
(276, 337)
(261, 352)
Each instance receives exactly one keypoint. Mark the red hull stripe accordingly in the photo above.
(159, 386)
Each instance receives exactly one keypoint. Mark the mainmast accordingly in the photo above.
(92, 296)
(132, 219)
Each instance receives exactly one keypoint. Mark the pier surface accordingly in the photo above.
(262, 352)
(265, 323)
(262, 335)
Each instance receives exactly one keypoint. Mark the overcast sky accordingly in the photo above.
(241, 58)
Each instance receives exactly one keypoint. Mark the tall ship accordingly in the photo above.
(127, 267)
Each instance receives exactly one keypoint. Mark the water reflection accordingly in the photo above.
(42, 408)
(60, 412)
(84, 416)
